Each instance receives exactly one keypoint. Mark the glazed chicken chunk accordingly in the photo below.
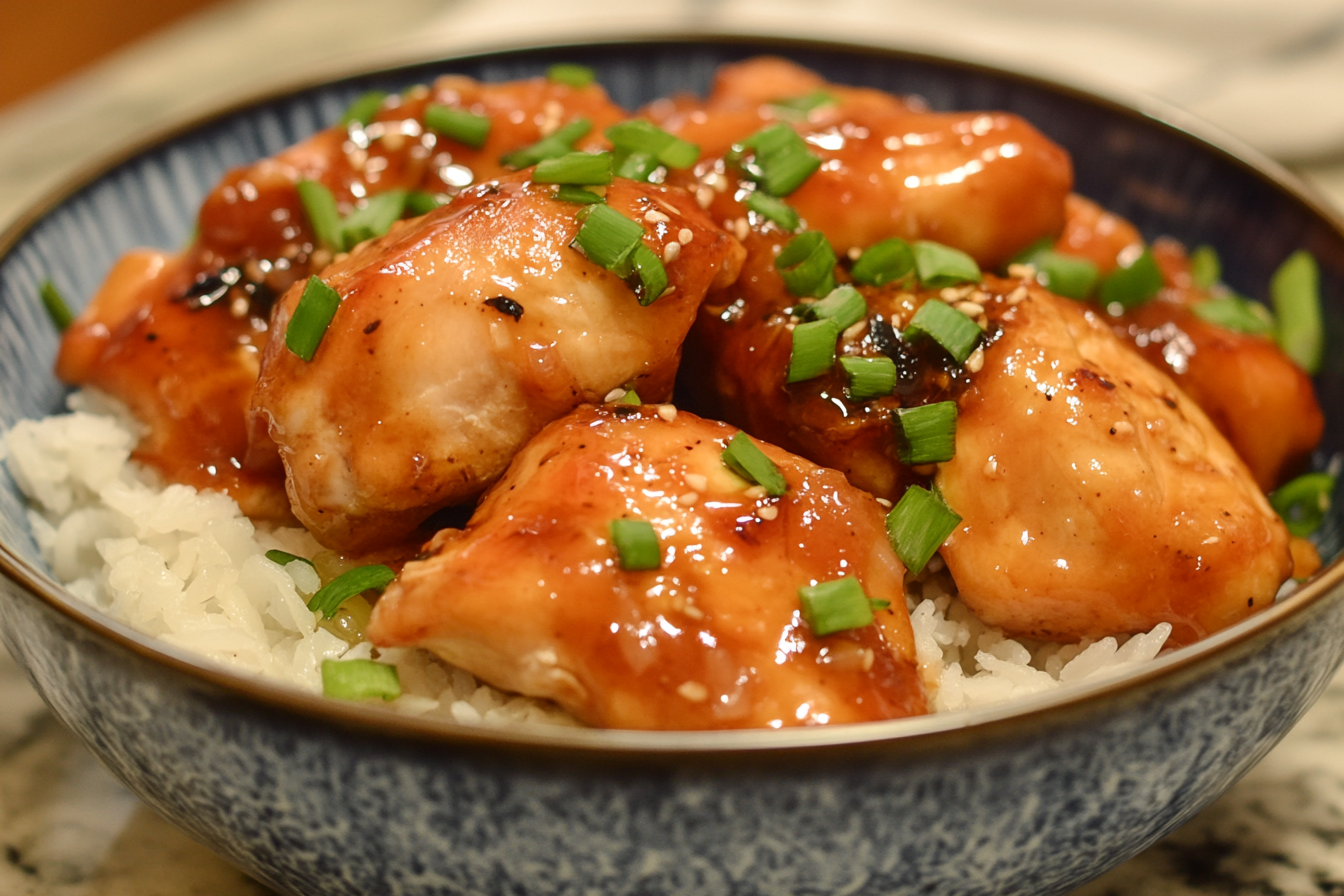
(458, 337)
(1095, 496)
(532, 595)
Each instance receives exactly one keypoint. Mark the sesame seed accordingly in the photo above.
(688, 499)
(693, 611)
(614, 395)
(393, 141)
(1022, 271)
(970, 309)
(854, 253)
(755, 492)
(239, 307)
(704, 196)
(685, 236)
(868, 658)
(667, 292)
(741, 228)
(955, 293)
(884, 502)
(697, 481)
(855, 330)
(693, 691)
(668, 412)
(671, 251)
(992, 467)
(1122, 428)
(653, 216)
(1017, 295)
(976, 360)
(768, 512)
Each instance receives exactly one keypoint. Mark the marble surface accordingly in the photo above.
(67, 828)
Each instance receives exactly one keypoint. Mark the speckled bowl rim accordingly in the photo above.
(938, 733)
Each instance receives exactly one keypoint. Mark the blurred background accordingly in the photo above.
(80, 78)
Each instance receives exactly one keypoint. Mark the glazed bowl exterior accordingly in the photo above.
(319, 797)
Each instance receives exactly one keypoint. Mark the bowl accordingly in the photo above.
(316, 796)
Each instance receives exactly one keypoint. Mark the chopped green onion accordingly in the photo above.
(884, 262)
(458, 124)
(835, 606)
(359, 680)
(813, 350)
(1304, 502)
(1236, 314)
(285, 557)
(772, 209)
(570, 74)
(636, 166)
(320, 206)
(746, 460)
(607, 237)
(798, 107)
(630, 397)
(363, 109)
(636, 544)
(926, 434)
(1295, 290)
(946, 326)
(328, 600)
(844, 305)
(940, 265)
(1130, 287)
(869, 377)
(649, 274)
(54, 302)
(1065, 275)
(421, 202)
(637, 136)
(1205, 267)
(373, 219)
(567, 193)
(781, 159)
(317, 306)
(918, 525)
(880, 604)
(558, 144)
(807, 264)
(578, 168)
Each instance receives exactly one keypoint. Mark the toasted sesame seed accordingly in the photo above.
(768, 512)
(671, 251)
(855, 330)
(868, 658)
(884, 502)
(668, 412)
(684, 236)
(693, 691)
(239, 307)
(704, 196)
(688, 499)
(970, 309)
(755, 492)
(1017, 295)
(854, 253)
(992, 467)
(697, 481)
(976, 360)
(614, 395)
(667, 292)
(1122, 428)
(653, 216)
(693, 611)
(741, 228)
(1022, 271)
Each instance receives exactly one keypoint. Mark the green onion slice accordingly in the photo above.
(364, 108)
(797, 108)
(1295, 290)
(608, 237)
(835, 606)
(1130, 287)
(285, 557)
(458, 124)
(1064, 275)
(345, 586)
(807, 264)
(317, 306)
(571, 74)
(1237, 314)
(54, 302)
(844, 305)
(951, 329)
(637, 136)
(1205, 267)
(636, 166)
(649, 276)
(748, 461)
(772, 209)
(636, 544)
(813, 350)
(939, 265)
(884, 262)
(558, 144)
(422, 202)
(1304, 502)
(359, 680)
(781, 160)
(372, 219)
(320, 206)
(926, 434)
(630, 397)
(578, 168)
(869, 377)
(568, 193)
(918, 525)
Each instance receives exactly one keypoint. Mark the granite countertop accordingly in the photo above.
(1272, 76)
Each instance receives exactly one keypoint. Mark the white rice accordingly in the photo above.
(189, 569)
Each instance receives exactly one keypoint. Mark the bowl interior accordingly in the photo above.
(1164, 180)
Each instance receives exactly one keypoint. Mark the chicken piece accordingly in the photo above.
(459, 336)
(1257, 397)
(178, 337)
(985, 182)
(532, 598)
(1096, 498)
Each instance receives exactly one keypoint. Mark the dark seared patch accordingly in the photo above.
(506, 305)
(1082, 373)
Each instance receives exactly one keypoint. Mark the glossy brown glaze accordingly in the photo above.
(459, 336)
(985, 182)
(531, 596)
(1096, 498)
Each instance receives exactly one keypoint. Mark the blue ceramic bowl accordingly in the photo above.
(318, 797)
